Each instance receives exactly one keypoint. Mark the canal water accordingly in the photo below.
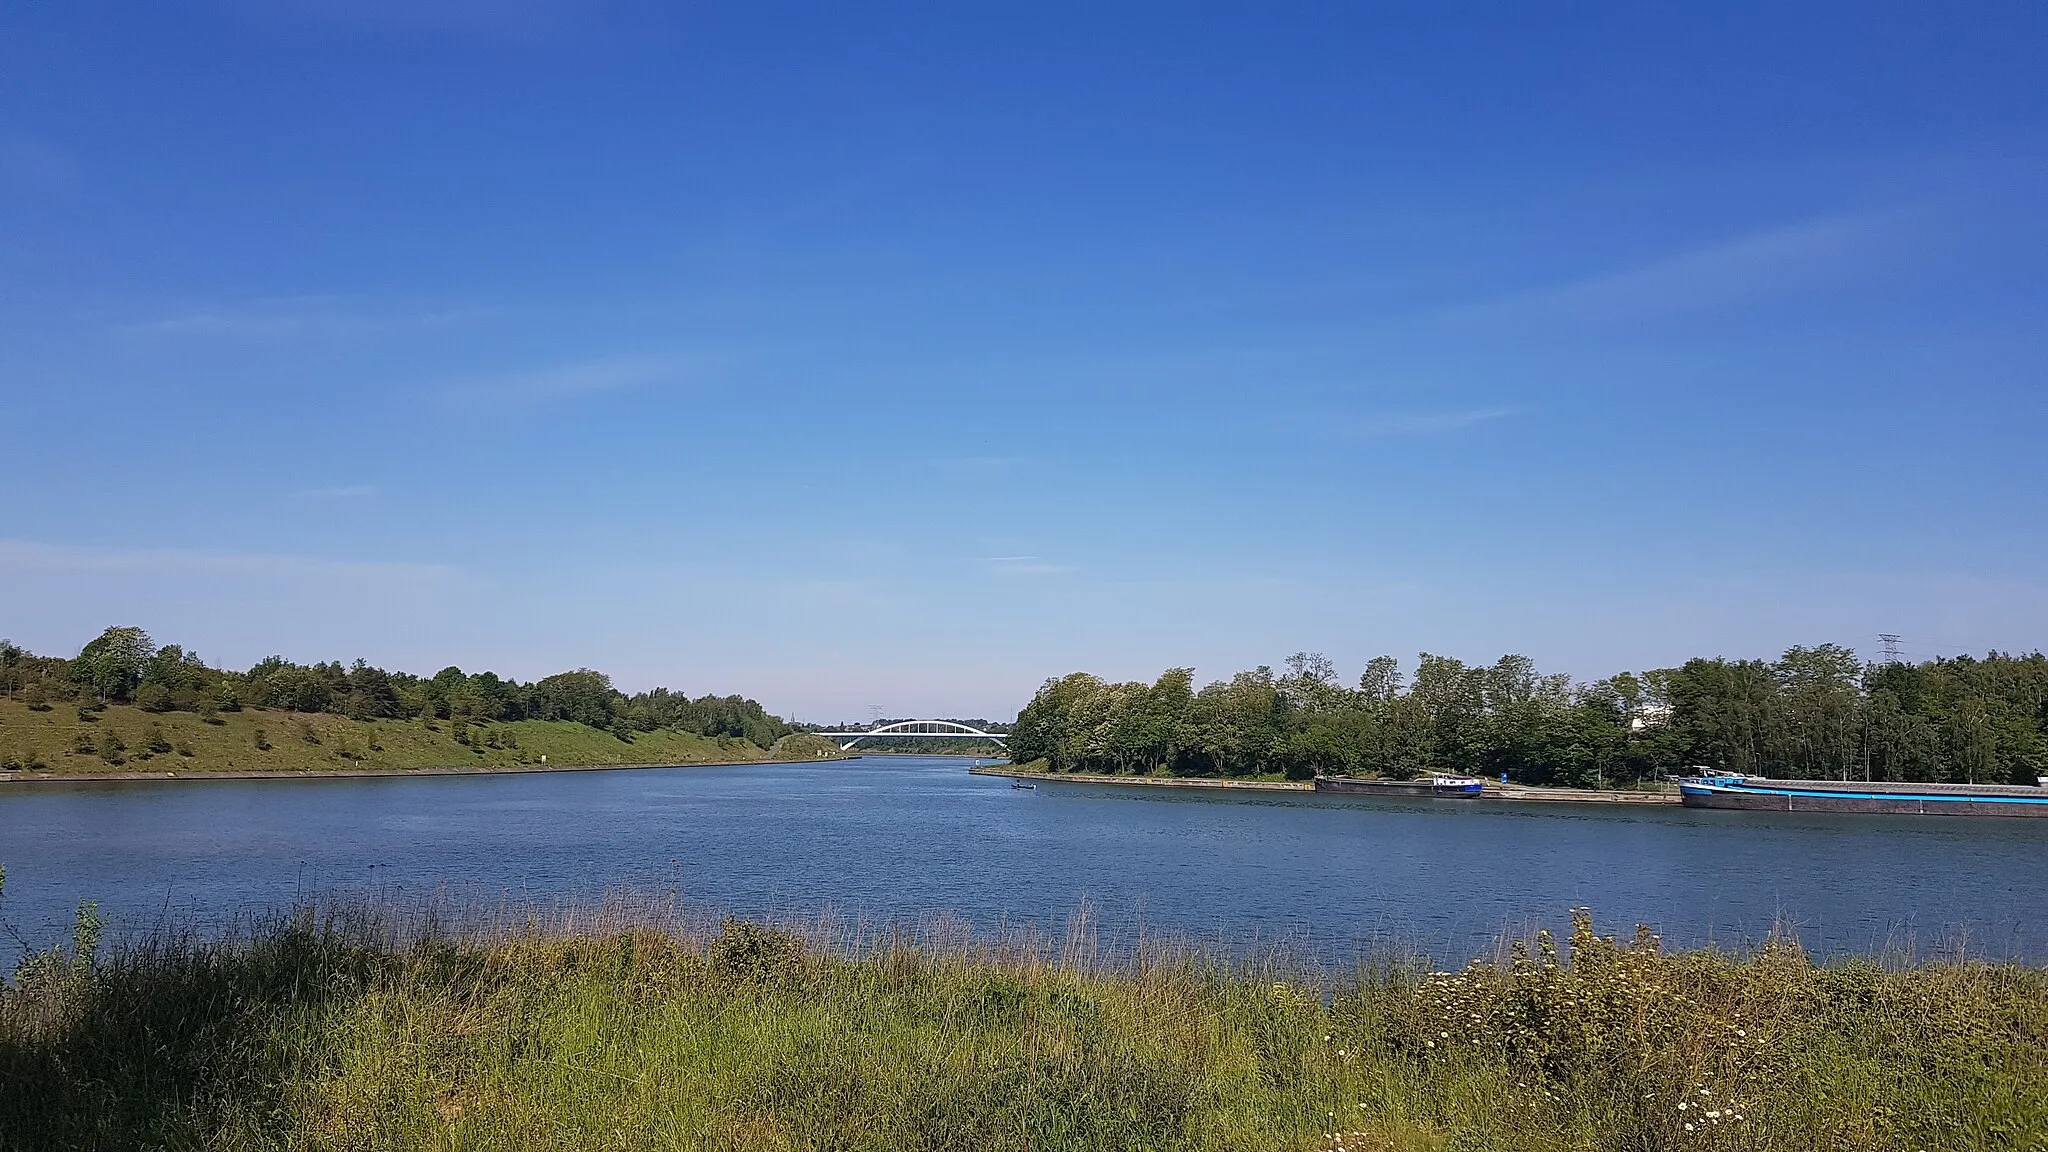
(906, 838)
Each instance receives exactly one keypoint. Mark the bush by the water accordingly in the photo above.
(327, 1032)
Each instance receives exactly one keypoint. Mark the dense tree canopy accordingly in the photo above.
(1813, 713)
(114, 663)
(124, 665)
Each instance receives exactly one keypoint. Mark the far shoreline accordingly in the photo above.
(1145, 781)
(364, 773)
(1517, 793)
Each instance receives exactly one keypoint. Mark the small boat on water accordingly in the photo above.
(1021, 784)
(1440, 784)
(1712, 789)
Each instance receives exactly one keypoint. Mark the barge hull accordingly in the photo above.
(1390, 788)
(1795, 799)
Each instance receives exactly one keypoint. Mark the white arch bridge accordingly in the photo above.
(919, 730)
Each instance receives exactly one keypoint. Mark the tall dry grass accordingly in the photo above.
(632, 1026)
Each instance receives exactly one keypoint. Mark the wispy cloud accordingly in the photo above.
(562, 382)
(1769, 264)
(1023, 566)
(519, 19)
(291, 318)
(26, 160)
(1419, 423)
(24, 556)
(976, 465)
(237, 605)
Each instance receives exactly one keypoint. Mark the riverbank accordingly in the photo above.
(1145, 781)
(1494, 791)
(633, 1034)
(348, 774)
(123, 742)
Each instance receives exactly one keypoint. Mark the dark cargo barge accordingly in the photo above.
(1760, 793)
(1454, 787)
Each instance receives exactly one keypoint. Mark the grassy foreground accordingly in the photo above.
(330, 1034)
(123, 738)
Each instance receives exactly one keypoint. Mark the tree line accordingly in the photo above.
(1814, 713)
(123, 665)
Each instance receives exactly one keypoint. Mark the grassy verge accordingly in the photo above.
(123, 738)
(331, 1034)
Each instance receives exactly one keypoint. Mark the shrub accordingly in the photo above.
(307, 732)
(185, 750)
(262, 740)
(111, 747)
(36, 699)
(749, 953)
(154, 698)
(82, 744)
(156, 741)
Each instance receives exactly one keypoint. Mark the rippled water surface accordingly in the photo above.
(902, 838)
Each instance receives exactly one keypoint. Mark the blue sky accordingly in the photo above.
(851, 355)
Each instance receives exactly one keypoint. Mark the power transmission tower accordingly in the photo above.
(1891, 646)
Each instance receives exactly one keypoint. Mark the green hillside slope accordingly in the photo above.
(123, 738)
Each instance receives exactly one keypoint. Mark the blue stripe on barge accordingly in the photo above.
(1761, 794)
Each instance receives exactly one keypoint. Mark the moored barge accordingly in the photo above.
(1759, 793)
(1453, 787)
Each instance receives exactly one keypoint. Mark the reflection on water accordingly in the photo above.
(904, 837)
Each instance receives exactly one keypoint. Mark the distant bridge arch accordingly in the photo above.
(919, 730)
